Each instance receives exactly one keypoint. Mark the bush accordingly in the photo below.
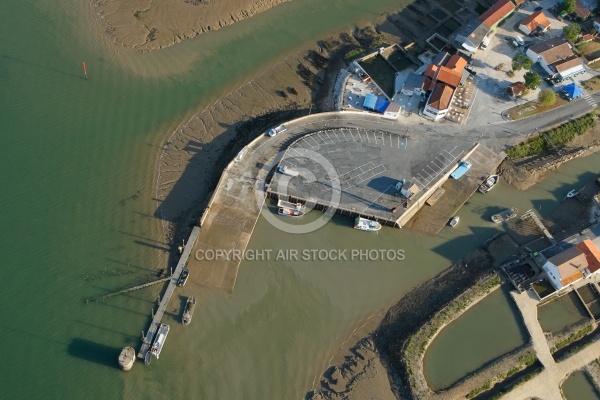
(510, 73)
(572, 31)
(547, 97)
(521, 61)
(532, 80)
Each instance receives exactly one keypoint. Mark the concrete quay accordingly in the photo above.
(369, 156)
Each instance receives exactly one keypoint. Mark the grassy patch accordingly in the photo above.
(532, 108)
(592, 85)
(559, 135)
(572, 338)
(380, 71)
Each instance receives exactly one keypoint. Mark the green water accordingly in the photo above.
(77, 176)
(561, 313)
(579, 387)
(488, 330)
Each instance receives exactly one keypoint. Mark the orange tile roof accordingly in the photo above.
(591, 253)
(536, 19)
(449, 76)
(430, 70)
(498, 11)
(441, 96)
(456, 63)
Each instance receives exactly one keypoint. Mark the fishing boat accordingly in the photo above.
(572, 193)
(364, 224)
(489, 183)
(288, 209)
(454, 221)
(189, 310)
(183, 277)
(159, 342)
(505, 215)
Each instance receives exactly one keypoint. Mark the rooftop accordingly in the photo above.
(441, 96)
(553, 50)
(570, 264)
(592, 254)
(536, 19)
(581, 11)
(449, 76)
(566, 64)
(497, 12)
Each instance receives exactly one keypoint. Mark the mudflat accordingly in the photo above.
(147, 25)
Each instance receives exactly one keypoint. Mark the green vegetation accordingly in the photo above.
(532, 80)
(592, 85)
(547, 97)
(572, 338)
(521, 61)
(566, 7)
(356, 53)
(558, 136)
(571, 32)
(525, 361)
(486, 386)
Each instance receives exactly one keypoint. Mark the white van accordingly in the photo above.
(519, 41)
(486, 42)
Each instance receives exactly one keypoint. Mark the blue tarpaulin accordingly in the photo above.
(370, 101)
(381, 105)
(573, 91)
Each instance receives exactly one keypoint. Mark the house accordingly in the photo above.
(415, 84)
(445, 73)
(597, 24)
(573, 264)
(556, 57)
(535, 22)
(392, 111)
(475, 33)
(581, 11)
(515, 89)
(566, 268)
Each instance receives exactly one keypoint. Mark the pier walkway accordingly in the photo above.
(530, 214)
(149, 337)
(131, 289)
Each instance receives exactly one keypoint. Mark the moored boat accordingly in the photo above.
(189, 310)
(454, 221)
(572, 193)
(126, 358)
(159, 342)
(364, 224)
(505, 215)
(489, 183)
(288, 209)
(183, 277)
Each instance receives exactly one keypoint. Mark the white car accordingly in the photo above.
(276, 130)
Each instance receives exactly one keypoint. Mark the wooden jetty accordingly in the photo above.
(149, 336)
(530, 214)
(131, 289)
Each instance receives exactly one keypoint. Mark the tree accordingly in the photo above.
(547, 97)
(532, 80)
(566, 7)
(572, 31)
(520, 61)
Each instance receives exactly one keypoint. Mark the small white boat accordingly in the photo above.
(288, 209)
(505, 215)
(364, 224)
(572, 193)
(454, 221)
(489, 183)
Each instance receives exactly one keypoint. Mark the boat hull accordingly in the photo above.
(366, 225)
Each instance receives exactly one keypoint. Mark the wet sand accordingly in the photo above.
(147, 25)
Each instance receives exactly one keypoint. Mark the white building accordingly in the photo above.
(556, 57)
(392, 111)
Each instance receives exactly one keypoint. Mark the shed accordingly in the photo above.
(370, 101)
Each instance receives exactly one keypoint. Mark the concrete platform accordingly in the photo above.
(368, 164)
(431, 219)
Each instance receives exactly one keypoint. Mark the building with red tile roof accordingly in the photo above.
(496, 13)
(535, 22)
